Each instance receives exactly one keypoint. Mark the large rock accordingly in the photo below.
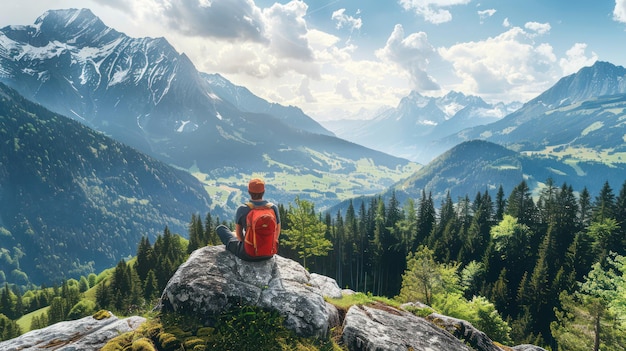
(83, 334)
(527, 347)
(464, 331)
(327, 285)
(214, 280)
(383, 328)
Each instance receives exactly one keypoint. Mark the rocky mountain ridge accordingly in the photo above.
(213, 280)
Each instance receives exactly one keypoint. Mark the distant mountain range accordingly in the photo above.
(584, 110)
(409, 129)
(143, 93)
(574, 133)
(73, 201)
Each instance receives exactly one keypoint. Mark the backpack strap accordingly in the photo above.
(252, 206)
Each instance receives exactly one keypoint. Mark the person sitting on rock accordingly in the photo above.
(257, 227)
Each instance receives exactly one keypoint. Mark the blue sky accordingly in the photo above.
(334, 58)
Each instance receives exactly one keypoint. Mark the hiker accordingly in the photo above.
(257, 227)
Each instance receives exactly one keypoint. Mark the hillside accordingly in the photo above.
(478, 166)
(73, 200)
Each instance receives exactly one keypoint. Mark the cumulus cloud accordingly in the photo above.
(225, 19)
(342, 20)
(510, 63)
(433, 11)
(619, 12)
(288, 30)
(576, 58)
(539, 28)
(412, 54)
(343, 89)
(506, 23)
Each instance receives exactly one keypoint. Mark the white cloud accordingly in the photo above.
(342, 20)
(287, 30)
(305, 91)
(412, 54)
(508, 66)
(576, 58)
(343, 89)
(539, 28)
(225, 19)
(506, 23)
(117, 4)
(432, 10)
(619, 13)
(486, 14)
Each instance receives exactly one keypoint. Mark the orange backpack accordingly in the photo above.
(261, 239)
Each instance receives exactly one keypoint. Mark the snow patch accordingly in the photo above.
(452, 108)
(182, 126)
(213, 96)
(118, 77)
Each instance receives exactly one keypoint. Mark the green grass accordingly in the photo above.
(342, 178)
(347, 301)
(26, 320)
(573, 155)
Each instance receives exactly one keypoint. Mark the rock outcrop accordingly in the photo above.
(214, 280)
(465, 331)
(382, 328)
(88, 333)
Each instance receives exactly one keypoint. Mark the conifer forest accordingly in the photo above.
(547, 269)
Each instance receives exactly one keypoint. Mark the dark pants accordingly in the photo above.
(233, 244)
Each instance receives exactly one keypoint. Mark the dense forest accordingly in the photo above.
(548, 270)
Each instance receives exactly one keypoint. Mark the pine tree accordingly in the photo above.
(500, 204)
(604, 204)
(150, 288)
(8, 328)
(196, 232)
(210, 235)
(56, 312)
(146, 259)
(6, 302)
(425, 220)
(521, 205)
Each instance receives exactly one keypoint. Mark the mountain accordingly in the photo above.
(581, 111)
(406, 130)
(73, 201)
(477, 166)
(143, 93)
(244, 100)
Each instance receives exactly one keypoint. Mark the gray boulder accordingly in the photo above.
(213, 280)
(383, 328)
(327, 285)
(464, 331)
(83, 334)
(527, 347)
